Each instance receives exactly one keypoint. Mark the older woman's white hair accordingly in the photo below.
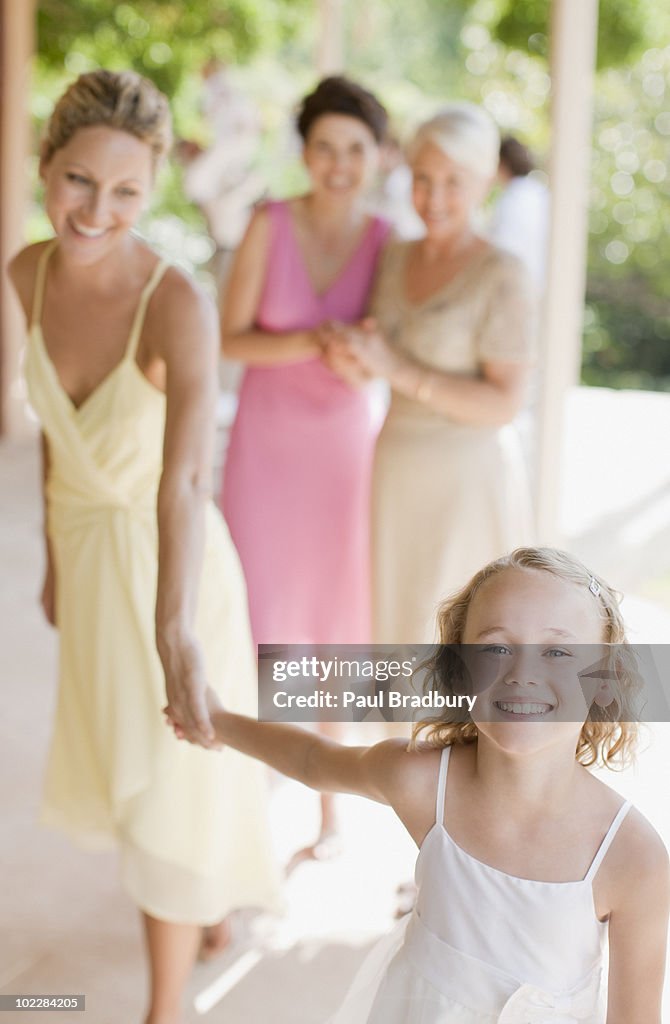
(465, 133)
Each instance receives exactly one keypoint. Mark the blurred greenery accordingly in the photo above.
(415, 55)
(164, 39)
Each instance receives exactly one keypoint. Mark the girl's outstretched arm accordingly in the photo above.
(638, 928)
(374, 772)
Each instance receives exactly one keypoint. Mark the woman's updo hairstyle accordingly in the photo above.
(112, 99)
(339, 95)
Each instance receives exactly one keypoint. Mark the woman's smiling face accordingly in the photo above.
(445, 193)
(96, 187)
(531, 639)
(341, 156)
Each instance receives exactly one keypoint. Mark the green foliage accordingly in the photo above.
(405, 45)
(163, 39)
(627, 327)
(524, 25)
(625, 346)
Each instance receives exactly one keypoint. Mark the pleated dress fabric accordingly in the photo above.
(190, 823)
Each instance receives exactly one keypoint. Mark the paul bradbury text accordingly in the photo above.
(382, 699)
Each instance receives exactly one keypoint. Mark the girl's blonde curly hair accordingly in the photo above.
(609, 736)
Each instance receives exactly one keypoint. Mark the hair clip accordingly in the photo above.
(594, 586)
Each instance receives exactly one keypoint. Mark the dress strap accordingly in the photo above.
(442, 785)
(140, 313)
(607, 841)
(40, 281)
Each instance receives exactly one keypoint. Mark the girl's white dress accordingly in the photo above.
(485, 947)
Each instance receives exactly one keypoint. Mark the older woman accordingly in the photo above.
(453, 338)
(120, 365)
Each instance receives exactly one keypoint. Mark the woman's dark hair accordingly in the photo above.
(516, 157)
(339, 95)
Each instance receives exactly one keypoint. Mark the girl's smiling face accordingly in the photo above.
(530, 636)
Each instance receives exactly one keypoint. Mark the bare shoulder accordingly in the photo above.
(181, 310)
(22, 269)
(636, 870)
(409, 781)
(639, 849)
(258, 230)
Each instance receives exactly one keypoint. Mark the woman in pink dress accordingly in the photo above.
(297, 474)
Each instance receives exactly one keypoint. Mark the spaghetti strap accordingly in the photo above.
(140, 313)
(442, 785)
(607, 841)
(40, 280)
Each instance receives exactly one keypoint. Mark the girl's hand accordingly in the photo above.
(48, 594)
(187, 692)
(214, 705)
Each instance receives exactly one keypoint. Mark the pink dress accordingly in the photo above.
(297, 475)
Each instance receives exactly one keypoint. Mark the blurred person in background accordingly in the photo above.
(520, 217)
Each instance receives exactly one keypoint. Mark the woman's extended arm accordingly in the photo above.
(240, 338)
(188, 345)
(22, 270)
(638, 927)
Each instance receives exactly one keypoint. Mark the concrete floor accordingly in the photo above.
(65, 925)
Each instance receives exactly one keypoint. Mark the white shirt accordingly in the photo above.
(520, 224)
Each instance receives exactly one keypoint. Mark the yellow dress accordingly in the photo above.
(190, 823)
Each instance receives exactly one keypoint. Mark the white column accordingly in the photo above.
(330, 37)
(572, 61)
(16, 39)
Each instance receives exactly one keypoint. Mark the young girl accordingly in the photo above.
(527, 862)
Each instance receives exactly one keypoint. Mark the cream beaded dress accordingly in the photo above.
(448, 497)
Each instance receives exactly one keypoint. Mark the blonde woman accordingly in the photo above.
(121, 370)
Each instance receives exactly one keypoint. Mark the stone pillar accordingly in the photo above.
(16, 48)
(330, 37)
(572, 61)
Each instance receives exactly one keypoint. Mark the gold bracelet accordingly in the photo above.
(424, 388)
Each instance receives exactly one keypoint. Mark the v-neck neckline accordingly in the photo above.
(474, 261)
(108, 378)
(129, 348)
(320, 296)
